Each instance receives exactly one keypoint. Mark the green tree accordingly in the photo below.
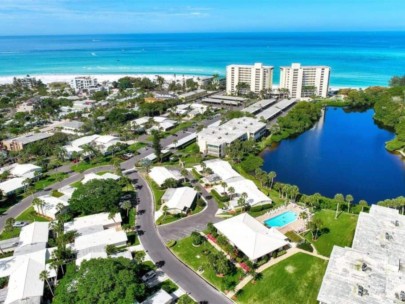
(251, 163)
(127, 205)
(43, 276)
(315, 226)
(362, 204)
(96, 196)
(157, 147)
(9, 224)
(103, 281)
(111, 249)
(339, 198)
(197, 238)
(349, 200)
(272, 175)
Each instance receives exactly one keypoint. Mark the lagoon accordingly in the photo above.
(342, 153)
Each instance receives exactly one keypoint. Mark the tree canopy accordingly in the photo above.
(96, 196)
(111, 280)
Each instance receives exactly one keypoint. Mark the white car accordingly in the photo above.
(149, 275)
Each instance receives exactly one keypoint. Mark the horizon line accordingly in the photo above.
(221, 32)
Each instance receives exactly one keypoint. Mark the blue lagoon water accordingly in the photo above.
(281, 220)
(343, 153)
(357, 59)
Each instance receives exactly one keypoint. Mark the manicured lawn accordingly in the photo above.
(5, 235)
(186, 299)
(49, 180)
(169, 286)
(195, 258)
(157, 192)
(135, 147)
(293, 236)
(56, 193)
(338, 231)
(180, 127)
(30, 215)
(96, 162)
(190, 155)
(294, 280)
(169, 218)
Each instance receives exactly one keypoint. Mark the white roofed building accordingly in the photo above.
(104, 237)
(224, 171)
(12, 185)
(373, 270)
(214, 140)
(92, 176)
(51, 205)
(160, 174)
(252, 237)
(160, 297)
(99, 142)
(22, 170)
(81, 224)
(179, 200)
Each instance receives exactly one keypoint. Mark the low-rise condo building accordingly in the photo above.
(160, 174)
(20, 142)
(83, 83)
(179, 200)
(214, 140)
(252, 237)
(102, 143)
(373, 270)
(305, 81)
(257, 77)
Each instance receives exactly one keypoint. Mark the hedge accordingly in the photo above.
(219, 197)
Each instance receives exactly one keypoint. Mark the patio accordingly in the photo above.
(298, 225)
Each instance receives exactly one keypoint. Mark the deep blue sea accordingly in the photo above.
(343, 153)
(356, 59)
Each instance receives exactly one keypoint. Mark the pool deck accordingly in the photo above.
(298, 225)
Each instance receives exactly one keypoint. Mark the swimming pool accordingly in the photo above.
(281, 220)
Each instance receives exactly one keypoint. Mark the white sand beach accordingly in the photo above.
(100, 77)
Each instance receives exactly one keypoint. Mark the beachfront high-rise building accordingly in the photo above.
(258, 77)
(305, 81)
(83, 83)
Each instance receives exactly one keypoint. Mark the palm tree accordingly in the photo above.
(126, 206)
(241, 203)
(44, 277)
(272, 175)
(349, 199)
(224, 185)
(175, 142)
(339, 198)
(231, 191)
(37, 202)
(165, 209)
(111, 215)
(362, 204)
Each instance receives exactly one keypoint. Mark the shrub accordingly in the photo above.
(305, 246)
(219, 197)
(261, 207)
(198, 239)
(171, 243)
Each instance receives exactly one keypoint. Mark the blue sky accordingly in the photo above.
(19, 17)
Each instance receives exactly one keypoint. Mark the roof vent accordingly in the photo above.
(364, 267)
(400, 296)
(388, 236)
(396, 223)
(361, 291)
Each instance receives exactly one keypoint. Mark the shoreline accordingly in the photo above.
(48, 78)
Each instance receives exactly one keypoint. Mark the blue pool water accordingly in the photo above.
(281, 219)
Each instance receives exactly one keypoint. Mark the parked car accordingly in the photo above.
(20, 224)
(149, 275)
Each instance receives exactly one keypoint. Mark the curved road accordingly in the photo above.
(186, 278)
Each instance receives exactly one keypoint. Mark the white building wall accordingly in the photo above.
(258, 76)
(297, 77)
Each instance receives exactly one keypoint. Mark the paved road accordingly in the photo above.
(187, 279)
(180, 229)
(18, 208)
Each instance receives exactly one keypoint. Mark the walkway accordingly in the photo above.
(273, 261)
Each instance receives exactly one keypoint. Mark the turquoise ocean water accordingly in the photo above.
(356, 59)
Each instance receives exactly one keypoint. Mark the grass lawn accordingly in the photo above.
(180, 127)
(293, 236)
(190, 155)
(194, 258)
(169, 286)
(56, 193)
(294, 280)
(135, 147)
(186, 299)
(169, 218)
(157, 192)
(340, 231)
(30, 215)
(5, 235)
(96, 162)
(49, 180)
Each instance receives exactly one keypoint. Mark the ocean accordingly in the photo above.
(357, 59)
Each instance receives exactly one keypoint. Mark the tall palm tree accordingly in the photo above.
(349, 199)
(272, 175)
(44, 277)
(231, 191)
(224, 185)
(339, 198)
(126, 206)
(362, 204)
